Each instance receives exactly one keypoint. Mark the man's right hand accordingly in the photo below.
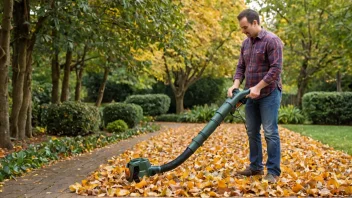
(230, 90)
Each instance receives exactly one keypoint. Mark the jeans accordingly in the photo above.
(264, 112)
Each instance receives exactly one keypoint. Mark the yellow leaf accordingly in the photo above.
(297, 188)
(222, 184)
(141, 184)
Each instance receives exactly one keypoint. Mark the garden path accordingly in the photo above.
(53, 181)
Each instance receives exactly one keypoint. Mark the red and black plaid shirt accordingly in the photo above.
(261, 59)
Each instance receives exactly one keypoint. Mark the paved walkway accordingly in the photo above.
(53, 181)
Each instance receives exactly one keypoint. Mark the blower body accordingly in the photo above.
(139, 167)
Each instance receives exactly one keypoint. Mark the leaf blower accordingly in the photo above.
(139, 167)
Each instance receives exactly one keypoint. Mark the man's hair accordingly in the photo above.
(250, 14)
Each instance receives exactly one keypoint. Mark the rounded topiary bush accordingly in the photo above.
(152, 104)
(117, 126)
(70, 118)
(130, 113)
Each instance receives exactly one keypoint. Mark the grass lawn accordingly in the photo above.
(338, 137)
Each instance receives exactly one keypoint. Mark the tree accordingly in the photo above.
(211, 48)
(24, 41)
(5, 35)
(305, 27)
(127, 25)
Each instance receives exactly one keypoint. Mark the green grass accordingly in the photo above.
(338, 137)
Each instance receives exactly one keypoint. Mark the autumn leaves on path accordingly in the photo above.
(309, 168)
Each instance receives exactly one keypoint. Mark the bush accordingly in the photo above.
(117, 126)
(328, 107)
(41, 93)
(70, 118)
(130, 113)
(152, 104)
(201, 113)
(290, 115)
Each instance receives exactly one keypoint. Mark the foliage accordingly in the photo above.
(71, 118)
(197, 93)
(152, 104)
(290, 115)
(328, 107)
(315, 37)
(211, 43)
(35, 156)
(117, 126)
(201, 113)
(114, 91)
(206, 90)
(309, 168)
(130, 113)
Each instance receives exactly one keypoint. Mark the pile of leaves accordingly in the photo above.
(309, 168)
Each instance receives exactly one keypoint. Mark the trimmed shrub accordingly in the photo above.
(117, 126)
(290, 115)
(328, 107)
(130, 113)
(70, 118)
(152, 104)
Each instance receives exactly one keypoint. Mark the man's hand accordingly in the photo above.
(230, 90)
(255, 92)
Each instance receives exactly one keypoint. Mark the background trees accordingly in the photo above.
(315, 37)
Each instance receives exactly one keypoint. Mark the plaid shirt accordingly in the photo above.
(261, 59)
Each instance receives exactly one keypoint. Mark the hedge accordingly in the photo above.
(130, 113)
(70, 118)
(152, 104)
(328, 107)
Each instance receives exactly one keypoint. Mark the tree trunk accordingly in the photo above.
(5, 35)
(21, 35)
(102, 88)
(302, 83)
(179, 102)
(55, 71)
(65, 91)
(29, 132)
(27, 100)
(79, 75)
(338, 81)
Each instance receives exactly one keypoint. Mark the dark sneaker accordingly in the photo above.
(271, 178)
(249, 172)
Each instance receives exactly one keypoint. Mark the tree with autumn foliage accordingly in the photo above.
(316, 37)
(210, 47)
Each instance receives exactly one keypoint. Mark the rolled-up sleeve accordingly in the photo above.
(275, 57)
(241, 67)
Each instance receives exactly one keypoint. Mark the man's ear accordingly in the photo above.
(255, 22)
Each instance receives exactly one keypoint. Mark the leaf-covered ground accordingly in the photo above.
(309, 168)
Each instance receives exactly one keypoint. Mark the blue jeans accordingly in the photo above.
(264, 112)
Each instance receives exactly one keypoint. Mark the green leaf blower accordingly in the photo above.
(139, 167)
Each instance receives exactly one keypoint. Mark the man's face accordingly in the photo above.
(249, 29)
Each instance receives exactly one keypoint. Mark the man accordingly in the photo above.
(260, 63)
